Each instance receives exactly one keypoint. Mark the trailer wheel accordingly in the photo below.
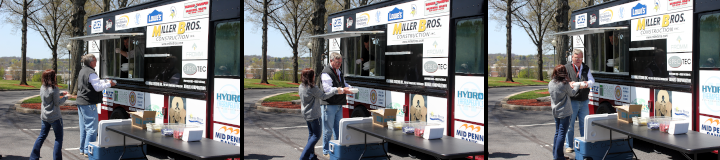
(119, 113)
(604, 108)
(360, 111)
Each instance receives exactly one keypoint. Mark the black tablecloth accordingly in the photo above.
(691, 142)
(203, 149)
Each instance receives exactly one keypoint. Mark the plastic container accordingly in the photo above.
(420, 128)
(179, 130)
(395, 125)
(665, 123)
(653, 123)
(640, 121)
(167, 129)
(408, 127)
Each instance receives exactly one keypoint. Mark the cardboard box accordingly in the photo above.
(140, 118)
(381, 116)
(626, 112)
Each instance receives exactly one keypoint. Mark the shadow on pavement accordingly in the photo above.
(11, 157)
(260, 157)
(401, 151)
(505, 155)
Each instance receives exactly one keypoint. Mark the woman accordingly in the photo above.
(560, 91)
(50, 115)
(310, 97)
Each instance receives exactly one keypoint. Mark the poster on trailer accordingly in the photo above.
(709, 88)
(226, 107)
(470, 98)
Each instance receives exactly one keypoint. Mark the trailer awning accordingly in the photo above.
(345, 34)
(103, 36)
(587, 31)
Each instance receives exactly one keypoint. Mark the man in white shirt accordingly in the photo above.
(578, 72)
(89, 94)
(332, 107)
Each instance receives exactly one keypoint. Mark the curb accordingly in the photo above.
(20, 109)
(507, 106)
(261, 108)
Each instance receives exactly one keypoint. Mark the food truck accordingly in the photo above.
(659, 54)
(425, 58)
(180, 58)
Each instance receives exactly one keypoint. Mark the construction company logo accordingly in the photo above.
(196, 8)
(469, 132)
(581, 20)
(593, 19)
(122, 22)
(470, 99)
(678, 4)
(677, 62)
(639, 10)
(227, 102)
(436, 6)
(363, 20)
(711, 126)
(663, 21)
(132, 98)
(710, 92)
(395, 14)
(373, 96)
(618, 92)
(155, 16)
(108, 24)
(179, 28)
(606, 16)
(413, 9)
(349, 22)
(227, 134)
(172, 12)
(437, 117)
(420, 26)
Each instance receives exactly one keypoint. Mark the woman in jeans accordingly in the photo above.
(310, 97)
(50, 115)
(560, 91)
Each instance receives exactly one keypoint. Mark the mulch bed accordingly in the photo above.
(540, 81)
(38, 105)
(510, 82)
(286, 105)
(528, 102)
(265, 84)
(296, 95)
(546, 92)
(24, 85)
(293, 83)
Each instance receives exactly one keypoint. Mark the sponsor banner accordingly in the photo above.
(470, 98)
(163, 14)
(579, 41)
(396, 100)
(191, 35)
(662, 26)
(709, 125)
(606, 15)
(177, 109)
(155, 102)
(349, 22)
(581, 21)
(418, 107)
(108, 96)
(337, 24)
(613, 92)
(641, 96)
(96, 26)
(435, 67)
(402, 12)
(682, 111)
(194, 69)
(679, 4)
(363, 95)
(226, 134)
(709, 93)
(196, 9)
(642, 8)
(681, 42)
(431, 32)
(226, 107)
(663, 102)
(122, 97)
(94, 47)
(136, 99)
(335, 44)
(196, 113)
(679, 62)
(437, 111)
(377, 97)
(469, 132)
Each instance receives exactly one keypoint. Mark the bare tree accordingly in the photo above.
(292, 22)
(25, 9)
(509, 7)
(266, 8)
(51, 22)
(536, 19)
(76, 50)
(318, 27)
(562, 19)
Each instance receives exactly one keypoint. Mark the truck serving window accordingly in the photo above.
(608, 52)
(124, 57)
(469, 43)
(709, 41)
(365, 55)
(227, 49)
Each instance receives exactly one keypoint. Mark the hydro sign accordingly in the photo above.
(227, 101)
(469, 98)
(710, 93)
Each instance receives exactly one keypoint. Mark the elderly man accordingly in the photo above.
(332, 107)
(578, 72)
(89, 94)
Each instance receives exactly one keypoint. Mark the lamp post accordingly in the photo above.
(554, 43)
(309, 45)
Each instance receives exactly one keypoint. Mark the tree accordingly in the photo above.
(536, 18)
(292, 21)
(26, 8)
(318, 27)
(51, 22)
(76, 50)
(267, 8)
(509, 7)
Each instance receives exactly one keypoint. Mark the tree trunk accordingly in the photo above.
(295, 63)
(318, 24)
(54, 59)
(561, 17)
(23, 47)
(123, 3)
(106, 6)
(347, 5)
(263, 76)
(78, 27)
(540, 63)
(508, 45)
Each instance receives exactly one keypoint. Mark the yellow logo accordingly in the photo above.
(397, 29)
(157, 30)
(640, 25)
(181, 27)
(423, 23)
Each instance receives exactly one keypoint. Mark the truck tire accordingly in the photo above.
(604, 108)
(360, 111)
(119, 113)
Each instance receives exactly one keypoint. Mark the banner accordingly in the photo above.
(174, 12)
(437, 112)
(402, 12)
(679, 62)
(226, 107)
(433, 33)
(470, 98)
(709, 88)
(418, 107)
(435, 67)
(194, 69)
(195, 114)
(192, 35)
(156, 102)
(683, 107)
(226, 134)
(396, 100)
(96, 26)
(642, 8)
(177, 109)
(666, 26)
(469, 132)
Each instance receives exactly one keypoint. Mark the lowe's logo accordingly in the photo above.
(639, 10)
(395, 14)
(154, 16)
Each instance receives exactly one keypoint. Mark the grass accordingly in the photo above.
(251, 83)
(283, 97)
(499, 82)
(530, 95)
(38, 100)
(12, 84)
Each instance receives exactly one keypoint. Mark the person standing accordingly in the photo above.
(332, 107)
(89, 94)
(50, 115)
(578, 72)
(560, 91)
(310, 97)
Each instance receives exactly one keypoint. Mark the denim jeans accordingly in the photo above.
(57, 127)
(561, 125)
(580, 110)
(88, 118)
(314, 128)
(331, 115)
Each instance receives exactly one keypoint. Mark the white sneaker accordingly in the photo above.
(569, 150)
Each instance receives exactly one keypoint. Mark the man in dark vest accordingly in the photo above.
(332, 107)
(89, 94)
(578, 72)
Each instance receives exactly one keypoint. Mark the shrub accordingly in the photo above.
(36, 77)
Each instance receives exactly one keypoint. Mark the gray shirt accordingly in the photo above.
(51, 102)
(560, 98)
(310, 98)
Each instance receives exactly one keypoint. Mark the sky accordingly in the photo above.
(12, 40)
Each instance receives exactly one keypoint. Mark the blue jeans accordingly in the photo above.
(309, 152)
(580, 110)
(57, 127)
(331, 115)
(88, 118)
(561, 125)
